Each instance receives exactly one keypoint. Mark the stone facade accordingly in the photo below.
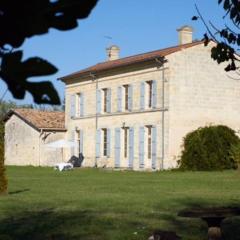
(25, 143)
(191, 91)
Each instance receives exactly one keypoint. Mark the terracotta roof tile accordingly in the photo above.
(131, 60)
(41, 119)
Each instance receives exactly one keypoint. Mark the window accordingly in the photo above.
(105, 143)
(125, 143)
(105, 94)
(126, 97)
(149, 142)
(73, 106)
(79, 110)
(149, 93)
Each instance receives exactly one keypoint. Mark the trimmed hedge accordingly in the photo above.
(209, 148)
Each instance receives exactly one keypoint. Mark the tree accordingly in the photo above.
(227, 38)
(3, 178)
(20, 20)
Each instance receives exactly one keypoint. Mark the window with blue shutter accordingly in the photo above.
(108, 100)
(108, 142)
(141, 147)
(72, 140)
(117, 146)
(99, 101)
(154, 147)
(81, 99)
(130, 96)
(119, 99)
(154, 93)
(72, 105)
(142, 96)
(131, 147)
(98, 143)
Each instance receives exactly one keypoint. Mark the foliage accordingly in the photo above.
(3, 178)
(235, 153)
(209, 148)
(20, 20)
(227, 37)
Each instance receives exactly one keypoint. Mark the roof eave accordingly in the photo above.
(53, 129)
(90, 73)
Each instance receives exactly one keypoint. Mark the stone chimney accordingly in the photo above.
(185, 35)
(113, 53)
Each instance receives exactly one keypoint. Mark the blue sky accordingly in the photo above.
(136, 26)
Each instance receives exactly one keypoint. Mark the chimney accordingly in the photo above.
(113, 53)
(185, 34)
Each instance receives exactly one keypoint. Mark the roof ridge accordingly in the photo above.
(39, 119)
(34, 109)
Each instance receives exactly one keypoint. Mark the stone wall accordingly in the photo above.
(21, 143)
(25, 145)
(201, 93)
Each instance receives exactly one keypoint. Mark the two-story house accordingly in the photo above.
(134, 112)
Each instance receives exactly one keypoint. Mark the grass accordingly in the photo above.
(101, 204)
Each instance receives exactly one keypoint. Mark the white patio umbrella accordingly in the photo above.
(62, 143)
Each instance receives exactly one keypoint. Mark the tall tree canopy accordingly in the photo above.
(226, 37)
(20, 20)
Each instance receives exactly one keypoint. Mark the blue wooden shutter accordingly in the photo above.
(108, 142)
(81, 105)
(81, 141)
(131, 147)
(141, 147)
(98, 101)
(73, 140)
(108, 100)
(72, 105)
(98, 143)
(117, 146)
(119, 99)
(154, 147)
(154, 94)
(130, 97)
(142, 96)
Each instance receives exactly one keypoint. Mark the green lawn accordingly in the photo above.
(102, 204)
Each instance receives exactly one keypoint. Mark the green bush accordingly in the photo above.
(209, 148)
(3, 178)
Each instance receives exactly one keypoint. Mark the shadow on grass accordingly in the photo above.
(196, 228)
(49, 224)
(19, 191)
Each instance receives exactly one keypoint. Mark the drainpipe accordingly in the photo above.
(160, 63)
(94, 78)
(163, 116)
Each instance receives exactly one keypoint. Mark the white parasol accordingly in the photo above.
(62, 143)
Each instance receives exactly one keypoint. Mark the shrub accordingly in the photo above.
(3, 178)
(209, 148)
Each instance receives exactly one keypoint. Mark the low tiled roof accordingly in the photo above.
(131, 60)
(40, 119)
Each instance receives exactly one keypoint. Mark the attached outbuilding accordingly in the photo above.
(27, 131)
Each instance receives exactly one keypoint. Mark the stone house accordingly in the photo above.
(26, 133)
(133, 112)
